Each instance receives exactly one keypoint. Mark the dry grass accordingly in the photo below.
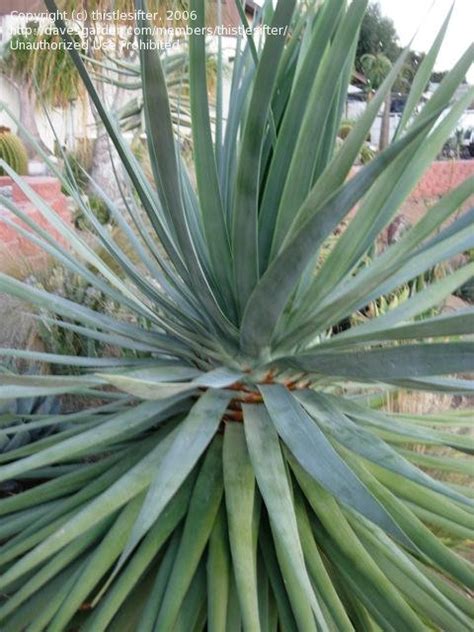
(418, 402)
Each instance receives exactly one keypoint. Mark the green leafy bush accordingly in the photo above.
(240, 475)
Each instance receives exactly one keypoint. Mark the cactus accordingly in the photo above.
(13, 152)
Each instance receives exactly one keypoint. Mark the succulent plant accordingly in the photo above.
(240, 475)
(13, 152)
(16, 413)
(18, 429)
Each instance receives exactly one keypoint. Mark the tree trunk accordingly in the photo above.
(385, 127)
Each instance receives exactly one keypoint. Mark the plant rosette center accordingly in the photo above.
(248, 393)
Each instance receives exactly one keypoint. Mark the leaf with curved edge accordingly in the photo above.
(387, 426)
(129, 484)
(192, 614)
(142, 186)
(164, 161)
(54, 566)
(57, 487)
(212, 211)
(101, 560)
(438, 463)
(288, 133)
(274, 288)
(265, 454)
(143, 556)
(455, 227)
(427, 499)
(412, 577)
(150, 610)
(146, 386)
(427, 543)
(52, 594)
(245, 203)
(165, 372)
(301, 435)
(12, 379)
(333, 421)
(380, 205)
(285, 614)
(407, 361)
(76, 312)
(202, 512)
(135, 419)
(242, 514)
(218, 573)
(456, 387)
(7, 393)
(191, 438)
(115, 288)
(423, 76)
(341, 535)
(80, 361)
(160, 138)
(318, 572)
(391, 325)
(325, 85)
(192, 272)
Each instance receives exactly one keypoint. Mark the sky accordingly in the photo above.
(408, 15)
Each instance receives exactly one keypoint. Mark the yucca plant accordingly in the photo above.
(17, 412)
(126, 76)
(241, 476)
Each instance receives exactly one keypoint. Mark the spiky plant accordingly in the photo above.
(13, 152)
(17, 413)
(241, 475)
